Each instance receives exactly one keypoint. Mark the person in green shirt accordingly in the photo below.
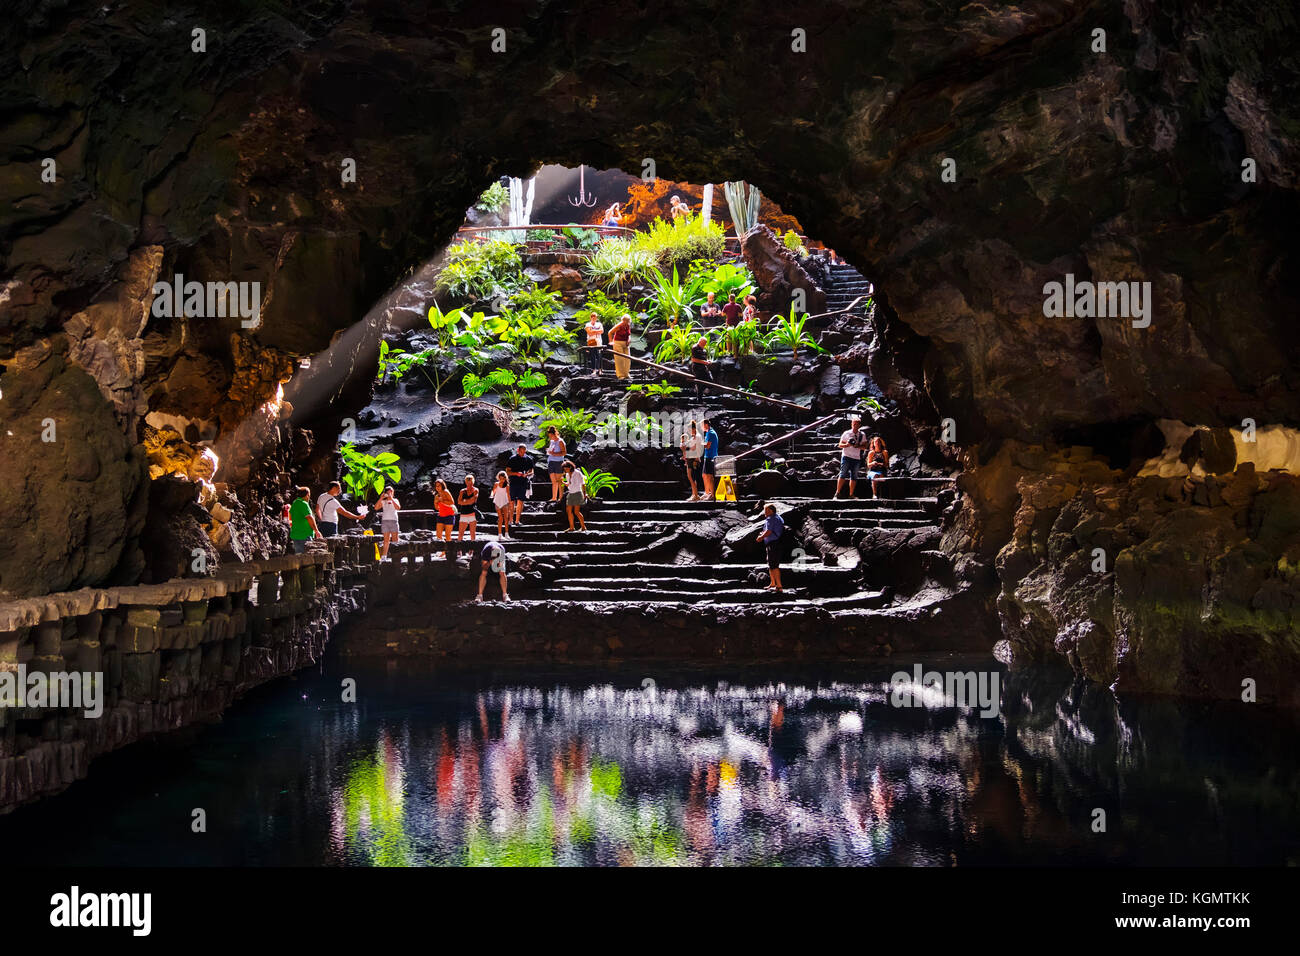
(302, 523)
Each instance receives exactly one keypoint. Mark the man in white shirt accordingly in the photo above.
(328, 509)
(852, 443)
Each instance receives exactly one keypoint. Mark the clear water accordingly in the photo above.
(760, 765)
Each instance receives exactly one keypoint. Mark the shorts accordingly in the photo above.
(849, 468)
(518, 488)
(555, 467)
(328, 528)
(773, 557)
(574, 499)
(694, 468)
(446, 519)
(469, 517)
(710, 466)
(388, 527)
(299, 545)
(875, 474)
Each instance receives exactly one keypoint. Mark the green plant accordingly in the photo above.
(480, 269)
(396, 362)
(672, 296)
(477, 332)
(527, 329)
(571, 423)
(578, 237)
(537, 302)
(743, 336)
(499, 378)
(767, 464)
(677, 342)
(789, 332)
(744, 209)
(617, 423)
(597, 481)
(362, 472)
(608, 310)
(617, 263)
(792, 242)
(682, 241)
(722, 280)
(662, 390)
(512, 399)
(445, 323)
(493, 199)
(531, 378)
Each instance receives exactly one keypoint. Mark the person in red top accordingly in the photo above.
(731, 311)
(619, 337)
(445, 505)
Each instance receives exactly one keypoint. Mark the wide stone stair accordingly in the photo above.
(844, 286)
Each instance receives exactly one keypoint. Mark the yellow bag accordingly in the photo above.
(369, 533)
(726, 490)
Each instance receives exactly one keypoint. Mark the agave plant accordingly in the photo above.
(744, 209)
(790, 332)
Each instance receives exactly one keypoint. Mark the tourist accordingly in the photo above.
(328, 509)
(520, 467)
(692, 448)
(577, 494)
(388, 508)
(612, 215)
(877, 463)
(678, 208)
(445, 506)
(555, 454)
(711, 310)
(492, 556)
(467, 506)
(751, 309)
(731, 315)
(709, 465)
(773, 528)
(302, 525)
(595, 329)
(700, 366)
(852, 443)
(619, 337)
(501, 501)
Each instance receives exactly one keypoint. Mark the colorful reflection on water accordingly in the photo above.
(438, 769)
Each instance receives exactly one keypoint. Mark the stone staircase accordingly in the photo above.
(846, 284)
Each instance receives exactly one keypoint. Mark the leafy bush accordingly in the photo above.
(499, 378)
(662, 390)
(794, 243)
(532, 378)
(597, 481)
(537, 302)
(677, 342)
(571, 423)
(395, 361)
(493, 199)
(512, 399)
(480, 269)
(609, 310)
(681, 241)
(362, 472)
(722, 280)
(618, 262)
(672, 296)
(579, 237)
(526, 330)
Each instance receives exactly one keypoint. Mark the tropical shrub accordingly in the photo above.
(538, 302)
(617, 423)
(362, 472)
(499, 378)
(493, 199)
(617, 263)
(512, 399)
(445, 323)
(662, 390)
(672, 296)
(681, 241)
(580, 237)
(478, 270)
(794, 243)
(741, 337)
(571, 423)
(596, 481)
(609, 310)
(525, 330)
(677, 342)
(395, 361)
(722, 280)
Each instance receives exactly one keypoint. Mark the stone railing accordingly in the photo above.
(156, 657)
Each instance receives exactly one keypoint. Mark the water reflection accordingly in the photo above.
(432, 768)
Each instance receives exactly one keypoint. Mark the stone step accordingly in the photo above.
(732, 597)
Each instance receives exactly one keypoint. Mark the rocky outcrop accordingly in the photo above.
(778, 274)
